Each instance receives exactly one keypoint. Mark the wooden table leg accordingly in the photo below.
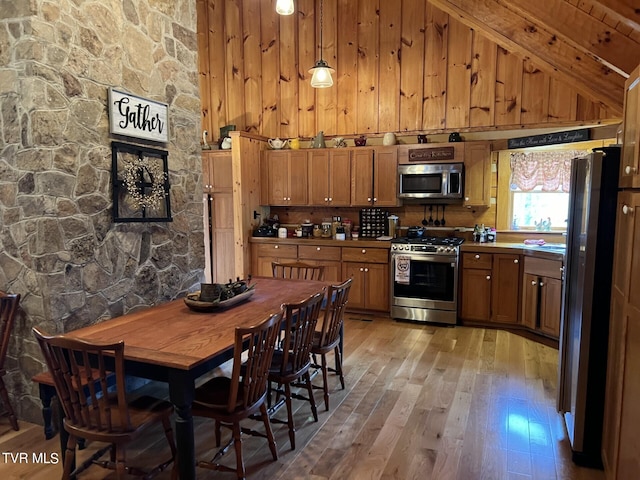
(181, 394)
(47, 392)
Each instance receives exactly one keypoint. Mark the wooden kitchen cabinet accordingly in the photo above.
(476, 287)
(620, 441)
(477, 174)
(630, 160)
(284, 177)
(374, 177)
(542, 295)
(264, 254)
(329, 257)
(490, 287)
(219, 241)
(369, 269)
(330, 177)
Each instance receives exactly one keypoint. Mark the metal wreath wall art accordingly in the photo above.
(140, 184)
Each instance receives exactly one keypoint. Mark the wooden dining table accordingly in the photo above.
(172, 343)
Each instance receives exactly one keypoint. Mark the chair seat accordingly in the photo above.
(276, 367)
(215, 394)
(316, 346)
(143, 411)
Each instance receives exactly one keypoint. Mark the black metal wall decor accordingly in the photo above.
(140, 184)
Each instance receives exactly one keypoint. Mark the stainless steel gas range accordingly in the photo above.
(424, 279)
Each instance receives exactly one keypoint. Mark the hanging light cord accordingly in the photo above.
(321, 27)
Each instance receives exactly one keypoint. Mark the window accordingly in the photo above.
(535, 187)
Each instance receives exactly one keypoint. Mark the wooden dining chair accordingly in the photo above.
(101, 416)
(8, 309)
(297, 270)
(230, 400)
(292, 360)
(328, 337)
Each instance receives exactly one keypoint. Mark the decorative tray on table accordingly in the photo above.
(220, 296)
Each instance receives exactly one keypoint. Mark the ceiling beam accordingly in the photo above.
(504, 26)
(594, 38)
(625, 11)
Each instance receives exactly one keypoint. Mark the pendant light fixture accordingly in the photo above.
(284, 7)
(321, 71)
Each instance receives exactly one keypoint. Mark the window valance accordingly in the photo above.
(549, 170)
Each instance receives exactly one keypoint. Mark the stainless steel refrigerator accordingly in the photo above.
(587, 291)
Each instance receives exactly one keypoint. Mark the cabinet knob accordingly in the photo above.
(477, 257)
(318, 248)
(626, 209)
(466, 199)
(542, 284)
(330, 199)
(361, 269)
(375, 199)
(326, 199)
(368, 199)
(488, 277)
(366, 269)
(629, 170)
(364, 251)
(276, 247)
(516, 261)
(284, 198)
(533, 283)
(289, 198)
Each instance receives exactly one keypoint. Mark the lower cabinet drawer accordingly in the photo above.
(476, 260)
(281, 251)
(371, 255)
(313, 252)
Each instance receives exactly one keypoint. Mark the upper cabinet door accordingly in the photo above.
(276, 188)
(385, 177)
(319, 177)
(477, 174)
(298, 178)
(629, 164)
(362, 177)
(340, 178)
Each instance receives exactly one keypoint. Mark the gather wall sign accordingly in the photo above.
(138, 117)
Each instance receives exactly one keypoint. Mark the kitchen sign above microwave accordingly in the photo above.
(430, 181)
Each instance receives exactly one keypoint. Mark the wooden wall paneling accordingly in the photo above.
(326, 98)
(270, 43)
(252, 65)
(412, 64)
(217, 91)
(508, 88)
(234, 64)
(563, 101)
(202, 35)
(586, 109)
(347, 67)
(368, 30)
(458, 74)
(289, 76)
(535, 94)
(435, 75)
(483, 82)
(389, 71)
(307, 52)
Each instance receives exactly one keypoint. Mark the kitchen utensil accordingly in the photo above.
(436, 222)
(424, 216)
(414, 232)
(442, 221)
(430, 215)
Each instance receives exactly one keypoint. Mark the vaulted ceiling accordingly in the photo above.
(592, 44)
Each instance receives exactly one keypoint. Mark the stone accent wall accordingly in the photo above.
(59, 247)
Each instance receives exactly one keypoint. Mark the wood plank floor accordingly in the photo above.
(422, 402)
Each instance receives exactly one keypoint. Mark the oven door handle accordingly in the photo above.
(427, 258)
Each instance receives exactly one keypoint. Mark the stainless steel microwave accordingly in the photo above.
(430, 180)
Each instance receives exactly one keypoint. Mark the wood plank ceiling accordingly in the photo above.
(415, 65)
(591, 44)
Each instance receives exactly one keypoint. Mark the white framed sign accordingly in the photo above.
(138, 117)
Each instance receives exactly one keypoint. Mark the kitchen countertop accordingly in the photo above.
(368, 243)
(551, 251)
